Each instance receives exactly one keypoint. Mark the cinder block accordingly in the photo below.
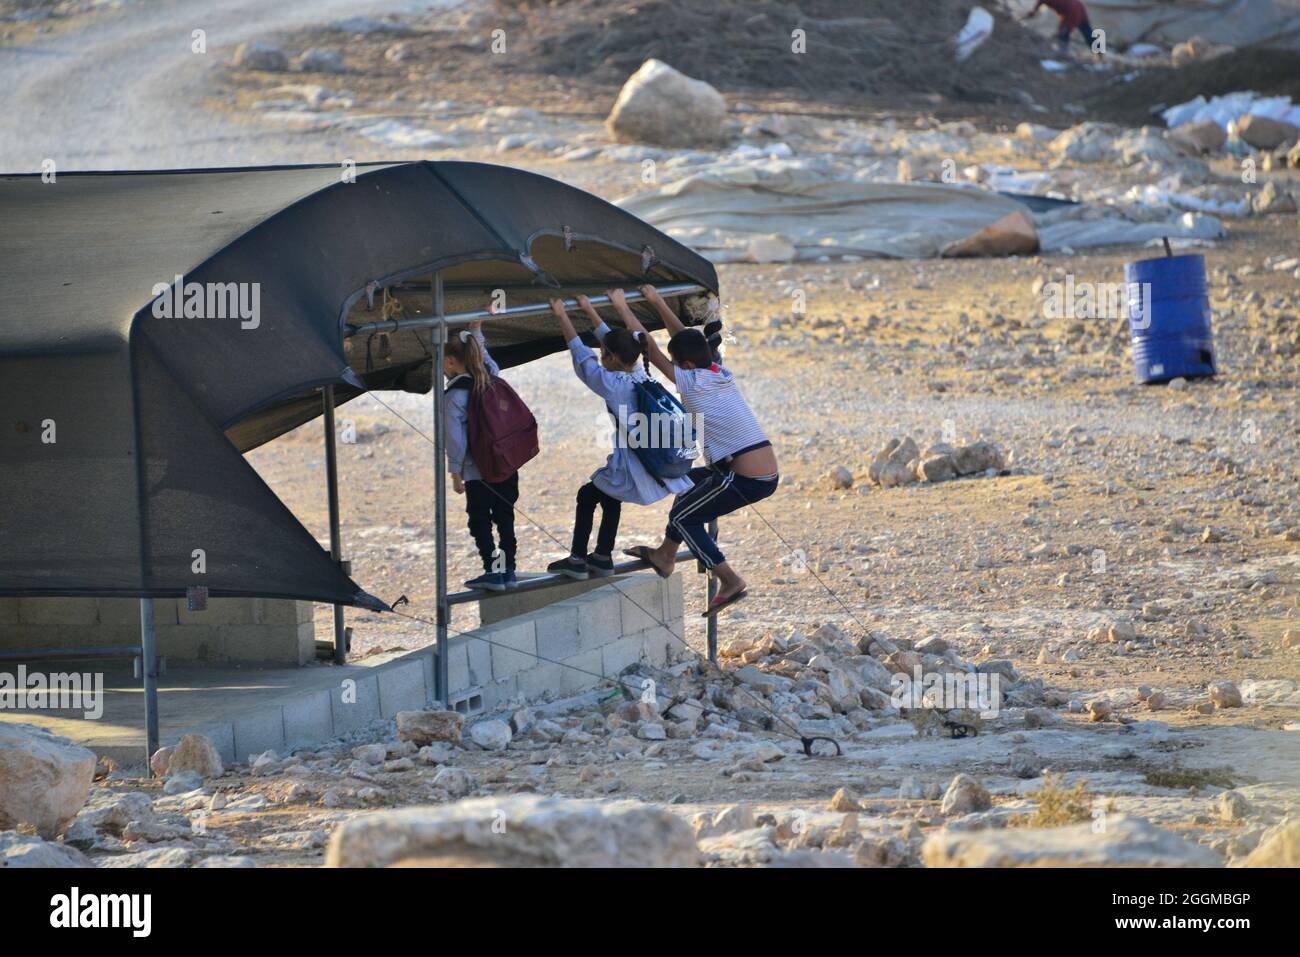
(498, 693)
(164, 611)
(600, 618)
(8, 611)
(581, 672)
(431, 686)
(307, 719)
(617, 655)
(658, 645)
(401, 687)
(220, 611)
(258, 731)
(513, 646)
(458, 679)
(479, 654)
(270, 644)
(58, 611)
(306, 633)
(557, 630)
(125, 611)
(282, 611)
(354, 702)
(19, 637)
(537, 683)
(674, 601)
(641, 603)
(189, 642)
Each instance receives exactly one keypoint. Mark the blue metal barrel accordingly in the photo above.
(1169, 318)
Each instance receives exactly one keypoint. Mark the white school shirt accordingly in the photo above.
(726, 422)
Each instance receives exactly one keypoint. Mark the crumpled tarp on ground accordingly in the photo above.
(721, 210)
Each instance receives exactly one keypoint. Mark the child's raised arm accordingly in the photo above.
(566, 324)
(598, 325)
(608, 385)
(476, 329)
(670, 320)
(653, 352)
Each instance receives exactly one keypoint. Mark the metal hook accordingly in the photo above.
(808, 743)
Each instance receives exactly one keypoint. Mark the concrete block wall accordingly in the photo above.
(566, 647)
(244, 630)
(587, 637)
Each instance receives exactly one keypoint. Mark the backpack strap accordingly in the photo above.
(463, 381)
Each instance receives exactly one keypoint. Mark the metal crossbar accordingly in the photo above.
(510, 312)
(549, 581)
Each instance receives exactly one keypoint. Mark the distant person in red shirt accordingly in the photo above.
(1073, 14)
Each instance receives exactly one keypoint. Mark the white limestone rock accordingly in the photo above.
(517, 831)
(44, 779)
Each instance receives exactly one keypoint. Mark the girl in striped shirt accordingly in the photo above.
(742, 467)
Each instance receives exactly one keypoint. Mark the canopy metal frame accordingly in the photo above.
(440, 322)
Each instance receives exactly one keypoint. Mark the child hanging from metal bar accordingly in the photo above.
(469, 367)
(742, 467)
(623, 478)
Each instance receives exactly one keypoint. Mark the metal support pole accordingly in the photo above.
(440, 494)
(713, 592)
(336, 543)
(149, 671)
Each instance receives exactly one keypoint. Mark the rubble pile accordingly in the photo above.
(901, 462)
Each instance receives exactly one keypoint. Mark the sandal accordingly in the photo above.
(643, 553)
(720, 603)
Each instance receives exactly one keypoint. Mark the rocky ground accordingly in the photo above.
(1127, 564)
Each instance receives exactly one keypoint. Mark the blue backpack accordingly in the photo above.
(672, 441)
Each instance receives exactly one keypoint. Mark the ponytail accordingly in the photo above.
(465, 347)
(645, 349)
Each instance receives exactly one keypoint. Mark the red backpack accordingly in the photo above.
(502, 430)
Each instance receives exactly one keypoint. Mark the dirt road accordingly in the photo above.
(124, 90)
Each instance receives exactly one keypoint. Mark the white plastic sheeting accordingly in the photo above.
(735, 211)
(978, 28)
(1224, 109)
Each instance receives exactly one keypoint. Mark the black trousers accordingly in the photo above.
(488, 504)
(611, 509)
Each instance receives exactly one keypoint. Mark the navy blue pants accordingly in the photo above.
(716, 492)
(1063, 35)
(488, 504)
(611, 509)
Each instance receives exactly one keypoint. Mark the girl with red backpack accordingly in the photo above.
(471, 375)
(613, 375)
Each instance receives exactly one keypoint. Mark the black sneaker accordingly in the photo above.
(600, 567)
(575, 568)
(510, 579)
(488, 581)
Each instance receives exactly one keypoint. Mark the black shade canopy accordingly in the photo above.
(122, 425)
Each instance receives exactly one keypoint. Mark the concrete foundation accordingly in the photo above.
(561, 649)
(261, 631)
